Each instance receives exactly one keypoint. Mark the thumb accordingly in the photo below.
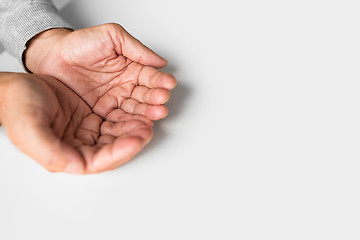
(40, 143)
(136, 51)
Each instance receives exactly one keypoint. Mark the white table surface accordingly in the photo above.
(262, 140)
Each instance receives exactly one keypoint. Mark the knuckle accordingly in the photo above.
(114, 26)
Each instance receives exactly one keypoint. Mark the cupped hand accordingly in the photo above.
(53, 125)
(107, 67)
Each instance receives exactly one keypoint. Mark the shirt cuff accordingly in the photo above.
(28, 20)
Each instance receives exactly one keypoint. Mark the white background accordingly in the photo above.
(262, 140)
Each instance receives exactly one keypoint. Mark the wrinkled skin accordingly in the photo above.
(106, 67)
(119, 91)
(53, 125)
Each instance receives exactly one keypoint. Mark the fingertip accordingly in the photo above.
(154, 60)
(161, 96)
(168, 81)
(163, 62)
(74, 167)
(127, 147)
(75, 164)
(157, 112)
(145, 134)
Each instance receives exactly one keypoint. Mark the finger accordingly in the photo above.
(129, 128)
(135, 50)
(105, 139)
(153, 78)
(47, 149)
(120, 115)
(154, 96)
(88, 131)
(105, 105)
(153, 112)
(115, 154)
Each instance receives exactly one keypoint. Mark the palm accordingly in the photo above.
(79, 133)
(107, 71)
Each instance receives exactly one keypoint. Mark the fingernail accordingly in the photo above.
(74, 168)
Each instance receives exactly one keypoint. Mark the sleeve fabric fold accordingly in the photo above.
(21, 20)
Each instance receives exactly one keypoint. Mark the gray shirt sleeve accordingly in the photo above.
(20, 20)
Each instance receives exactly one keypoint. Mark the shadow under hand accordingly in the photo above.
(179, 95)
(178, 100)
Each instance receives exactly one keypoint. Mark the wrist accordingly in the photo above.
(40, 47)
